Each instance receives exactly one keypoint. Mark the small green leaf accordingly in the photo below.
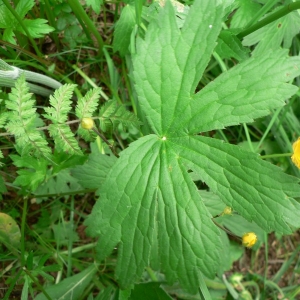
(244, 14)
(70, 288)
(37, 28)
(124, 28)
(229, 46)
(95, 4)
(148, 291)
(92, 174)
(62, 182)
(23, 7)
(34, 174)
(63, 233)
(273, 35)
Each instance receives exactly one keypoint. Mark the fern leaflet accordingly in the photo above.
(112, 114)
(64, 138)
(58, 114)
(61, 104)
(87, 105)
(23, 120)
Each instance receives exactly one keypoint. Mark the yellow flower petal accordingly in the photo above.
(296, 155)
(249, 239)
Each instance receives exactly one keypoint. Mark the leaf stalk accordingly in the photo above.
(269, 19)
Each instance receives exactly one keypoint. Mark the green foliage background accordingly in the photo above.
(175, 86)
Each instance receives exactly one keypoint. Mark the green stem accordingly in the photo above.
(276, 155)
(271, 18)
(267, 7)
(13, 12)
(151, 274)
(84, 19)
(79, 249)
(21, 50)
(9, 75)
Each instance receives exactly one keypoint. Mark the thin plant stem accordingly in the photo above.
(276, 155)
(102, 136)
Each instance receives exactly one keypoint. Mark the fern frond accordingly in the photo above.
(61, 104)
(23, 120)
(64, 138)
(87, 105)
(106, 111)
(1, 156)
(87, 135)
(124, 117)
(112, 114)
(3, 119)
(35, 144)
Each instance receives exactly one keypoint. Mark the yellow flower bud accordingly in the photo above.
(296, 155)
(227, 211)
(249, 239)
(87, 123)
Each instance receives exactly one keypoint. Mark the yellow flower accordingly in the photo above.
(296, 155)
(87, 123)
(227, 211)
(249, 239)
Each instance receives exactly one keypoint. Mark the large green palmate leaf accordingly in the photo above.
(148, 202)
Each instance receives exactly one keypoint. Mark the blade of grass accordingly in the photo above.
(248, 137)
(271, 123)
(203, 290)
(86, 23)
(286, 265)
